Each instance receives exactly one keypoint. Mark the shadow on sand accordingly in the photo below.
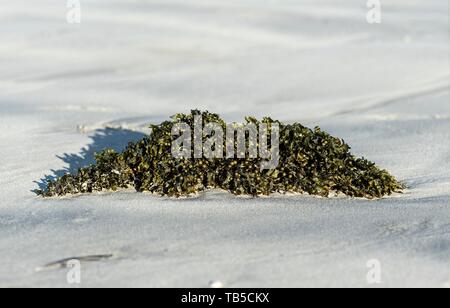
(116, 139)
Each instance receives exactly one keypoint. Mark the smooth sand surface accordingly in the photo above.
(383, 88)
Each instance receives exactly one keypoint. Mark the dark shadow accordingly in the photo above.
(102, 139)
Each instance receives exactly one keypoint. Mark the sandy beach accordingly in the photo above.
(70, 90)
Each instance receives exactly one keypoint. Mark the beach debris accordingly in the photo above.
(216, 284)
(64, 263)
(310, 161)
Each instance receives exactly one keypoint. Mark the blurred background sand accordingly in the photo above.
(384, 88)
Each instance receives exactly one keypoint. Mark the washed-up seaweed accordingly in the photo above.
(311, 161)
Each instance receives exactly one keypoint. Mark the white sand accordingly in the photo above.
(383, 88)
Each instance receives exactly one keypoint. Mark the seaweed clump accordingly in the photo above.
(310, 161)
